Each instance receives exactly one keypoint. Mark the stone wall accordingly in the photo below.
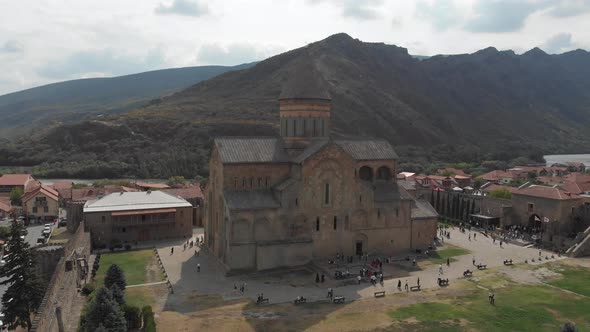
(62, 290)
(47, 257)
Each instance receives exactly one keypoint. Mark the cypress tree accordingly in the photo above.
(25, 289)
(438, 207)
(115, 276)
(448, 209)
(105, 311)
(117, 294)
(462, 209)
(432, 197)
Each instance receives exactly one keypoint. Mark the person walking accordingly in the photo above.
(198, 267)
(317, 277)
(171, 250)
(418, 282)
(406, 286)
(448, 261)
(399, 285)
(440, 269)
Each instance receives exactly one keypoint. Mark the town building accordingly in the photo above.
(41, 204)
(130, 217)
(550, 209)
(193, 194)
(5, 207)
(24, 182)
(145, 186)
(283, 201)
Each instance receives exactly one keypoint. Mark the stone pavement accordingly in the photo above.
(182, 272)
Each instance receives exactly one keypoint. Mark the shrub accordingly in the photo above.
(132, 316)
(87, 289)
(149, 324)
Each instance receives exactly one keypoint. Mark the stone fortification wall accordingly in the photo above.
(62, 291)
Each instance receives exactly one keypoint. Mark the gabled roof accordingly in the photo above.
(311, 149)
(546, 192)
(389, 192)
(14, 179)
(368, 149)
(493, 186)
(422, 209)
(189, 192)
(285, 184)
(127, 201)
(250, 200)
(577, 177)
(575, 188)
(251, 150)
(45, 190)
(62, 185)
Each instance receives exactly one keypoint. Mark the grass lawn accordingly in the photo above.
(139, 266)
(440, 256)
(518, 308)
(574, 278)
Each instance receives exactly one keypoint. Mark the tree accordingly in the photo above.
(174, 180)
(114, 276)
(438, 207)
(478, 183)
(117, 294)
(25, 291)
(105, 311)
(502, 193)
(16, 195)
(432, 197)
(568, 327)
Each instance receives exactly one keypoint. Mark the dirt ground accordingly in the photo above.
(212, 313)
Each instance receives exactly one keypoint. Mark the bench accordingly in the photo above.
(508, 262)
(443, 282)
(481, 267)
(379, 294)
(262, 301)
(415, 288)
(338, 299)
(467, 273)
(300, 301)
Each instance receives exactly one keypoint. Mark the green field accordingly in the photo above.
(575, 279)
(134, 265)
(440, 256)
(517, 308)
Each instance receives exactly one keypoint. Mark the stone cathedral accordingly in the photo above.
(284, 201)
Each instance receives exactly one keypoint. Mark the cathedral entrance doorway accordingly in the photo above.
(360, 244)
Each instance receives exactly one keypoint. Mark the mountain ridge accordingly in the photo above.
(487, 105)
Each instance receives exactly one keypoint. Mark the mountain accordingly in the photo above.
(488, 105)
(87, 98)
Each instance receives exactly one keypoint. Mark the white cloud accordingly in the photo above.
(183, 7)
(559, 43)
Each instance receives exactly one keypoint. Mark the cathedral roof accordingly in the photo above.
(251, 150)
(272, 150)
(304, 82)
(423, 209)
(250, 200)
(389, 192)
(368, 149)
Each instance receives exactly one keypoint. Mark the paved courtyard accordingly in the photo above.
(182, 272)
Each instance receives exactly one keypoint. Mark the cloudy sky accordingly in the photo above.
(44, 41)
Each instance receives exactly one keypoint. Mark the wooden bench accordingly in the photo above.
(338, 299)
(481, 267)
(262, 301)
(415, 288)
(300, 301)
(508, 262)
(467, 273)
(443, 282)
(379, 294)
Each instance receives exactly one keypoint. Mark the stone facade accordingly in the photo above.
(274, 202)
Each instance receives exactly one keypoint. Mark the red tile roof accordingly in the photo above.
(152, 185)
(62, 185)
(546, 192)
(576, 188)
(47, 191)
(14, 179)
(193, 191)
(575, 164)
(577, 177)
(451, 170)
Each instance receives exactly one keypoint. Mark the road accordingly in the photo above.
(33, 232)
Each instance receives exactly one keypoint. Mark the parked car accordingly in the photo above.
(41, 240)
(48, 225)
(63, 223)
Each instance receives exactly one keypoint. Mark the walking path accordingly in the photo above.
(182, 272)
(147, 284)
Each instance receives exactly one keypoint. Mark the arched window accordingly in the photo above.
(327, 194)
(366, 173)
(383, 173)
(317, 224)
(335, 222)
(236, 183)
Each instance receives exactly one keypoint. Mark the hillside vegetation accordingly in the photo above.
(489, 105)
